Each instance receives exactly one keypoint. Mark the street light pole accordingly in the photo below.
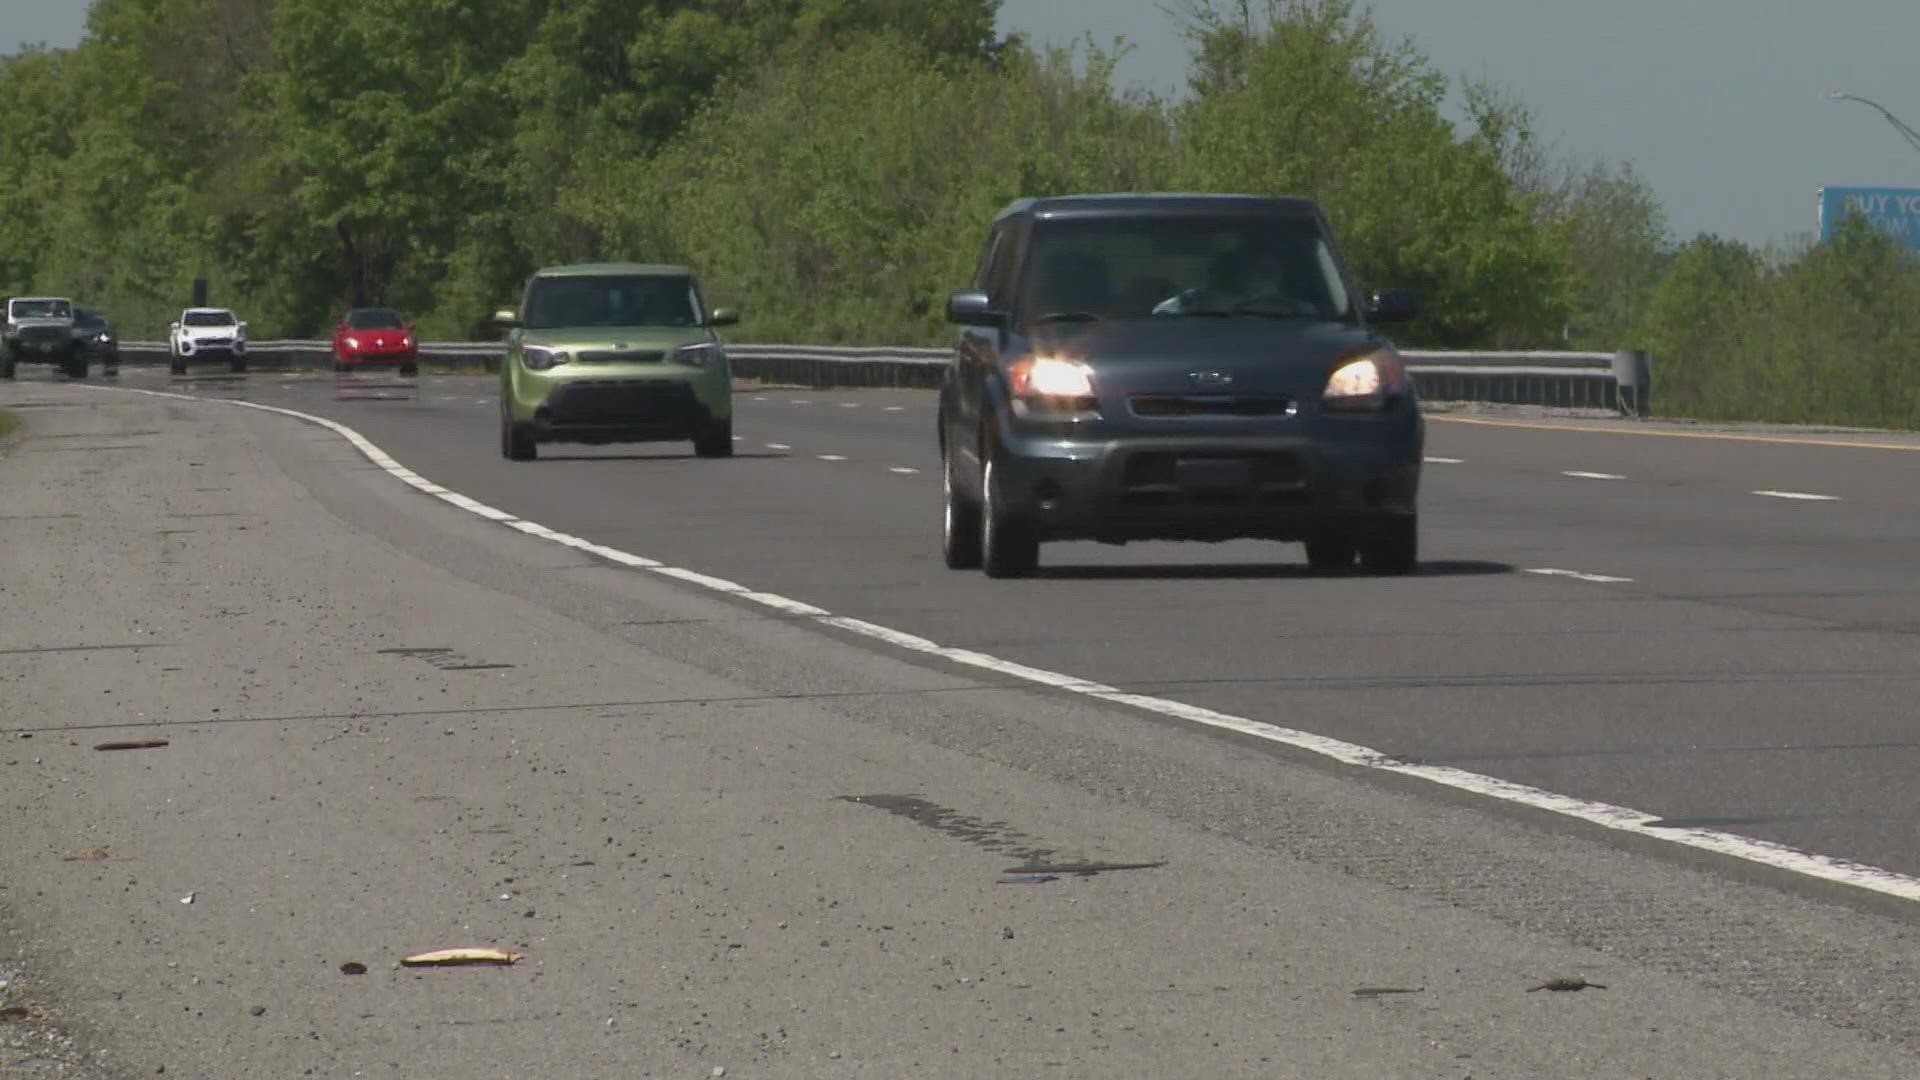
(1906, 132)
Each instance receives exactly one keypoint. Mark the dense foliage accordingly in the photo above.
(830, 166)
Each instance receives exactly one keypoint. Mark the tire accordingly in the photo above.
(1395, 550)
(6, 366)
(75, 366)
(716, 440)
(960, 530)
(1330, 554)
(237, 365)
(176, 364)
(409, 371)
(516, 440)
(1008, 546)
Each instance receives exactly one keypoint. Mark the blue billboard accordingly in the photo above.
(1894, 211)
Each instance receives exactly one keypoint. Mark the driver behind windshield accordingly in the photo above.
(1244, 276)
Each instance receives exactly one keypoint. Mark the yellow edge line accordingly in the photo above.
(1776, 440)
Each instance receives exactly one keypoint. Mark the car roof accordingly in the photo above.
(1123, 204)
(36, 299)
(208, 311)
(622, 268)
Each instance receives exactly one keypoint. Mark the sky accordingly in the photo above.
(1720, 104)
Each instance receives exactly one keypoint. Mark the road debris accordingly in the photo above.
(1028, 879)
(353, 967)
(137, 744)
(1082, 869)
(258, 1010)
(1566, 985)
(1379, 991)
(454, 957)
(98, 854)
(188, 899)
(14, 1012)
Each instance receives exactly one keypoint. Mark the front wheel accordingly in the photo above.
(1395, 549)
(960, 527)
(75, 365)
(409, 371)
(516, 440)
(715, 440)
(1329, 554)
(1009, 547)
(7, 360)
(237, 365)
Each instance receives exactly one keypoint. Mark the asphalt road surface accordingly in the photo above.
(724, 839)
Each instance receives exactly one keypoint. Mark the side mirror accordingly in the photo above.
(1393, 306)
(175, 326)
(973, 309)
(724, 317)
(505, 319)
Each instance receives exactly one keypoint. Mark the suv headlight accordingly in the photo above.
(1050, 385)
(698, 355)
(540, 358)
(1367, 383)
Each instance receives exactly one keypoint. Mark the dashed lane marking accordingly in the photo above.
(778, 446)
(1801, 496)
(1618, 818)
(1445, 461)
(1579, 575)
(1593, 475)
(1713, 436)
(831, 457)
(903, 470)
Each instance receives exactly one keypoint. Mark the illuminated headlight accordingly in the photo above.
(698, 355)
(538, 358)
(104, 338)
(1050, 377)
(1366, 383)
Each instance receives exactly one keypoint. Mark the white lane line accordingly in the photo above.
(1578, 575)
(739, 438)
(903, 470)
(1445, 461)
(799, 401)
(1802, 496)
(849, 404)
(1594, 475)
(760, 397)
(896, 408)
(778, 446)
(831, 457)
(1618, 818)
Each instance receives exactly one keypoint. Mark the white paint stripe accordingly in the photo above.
(1593, 476)
(1445, 461)
(1800, 495)
(1618, 818)
(896, 408)
(849, 404)
(831, 457)
(1580, 576)
(778, 446)
(903, 470)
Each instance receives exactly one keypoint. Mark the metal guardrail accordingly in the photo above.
(1576, 380)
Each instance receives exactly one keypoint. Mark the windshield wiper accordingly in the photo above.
(1246, 310)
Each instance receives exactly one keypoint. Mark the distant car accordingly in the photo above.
(1179, 367)
(95, 334)
(39, 330)
(375, 336)
(207, 334)
(615, 353)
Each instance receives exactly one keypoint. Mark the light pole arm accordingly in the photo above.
(1906, 132)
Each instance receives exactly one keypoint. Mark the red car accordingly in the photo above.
(375, 337)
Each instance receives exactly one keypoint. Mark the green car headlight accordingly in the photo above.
(698, 355)
(539, 358)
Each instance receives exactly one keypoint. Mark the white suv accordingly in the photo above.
(207, 334)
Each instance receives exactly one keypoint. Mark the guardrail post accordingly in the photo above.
(1633, 370)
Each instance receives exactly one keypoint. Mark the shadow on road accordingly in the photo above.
(1239, 571)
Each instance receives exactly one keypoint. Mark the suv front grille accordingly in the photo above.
(629, 356)
(1175, 406)
(44, 335)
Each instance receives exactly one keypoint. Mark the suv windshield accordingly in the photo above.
(42, 309)
(1193, 265)
(375, 319)
(623, 300)
(208, 318)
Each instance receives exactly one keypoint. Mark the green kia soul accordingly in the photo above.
(615, 353)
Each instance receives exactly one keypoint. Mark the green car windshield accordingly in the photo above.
(42, 309)
(569, 302)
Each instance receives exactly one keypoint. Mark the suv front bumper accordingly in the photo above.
(1214, 488)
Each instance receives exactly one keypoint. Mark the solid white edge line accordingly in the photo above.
(1618, 818)
(1801, 496)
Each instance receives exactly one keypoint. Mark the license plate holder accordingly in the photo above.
(1213, 474)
